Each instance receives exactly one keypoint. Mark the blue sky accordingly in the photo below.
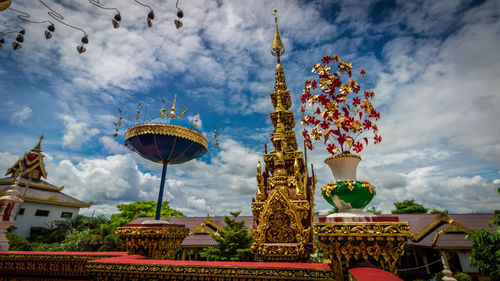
(434, 66)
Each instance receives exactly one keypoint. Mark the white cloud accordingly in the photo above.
(112, 146)
(117, 179)
(76, 132)
(19, 116)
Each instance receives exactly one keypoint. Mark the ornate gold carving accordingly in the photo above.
(156, 272)
(202, 227)
(342, 155)
(156, 242)
(331, 186)
(69, 265)
(283, 208)
(167, 129)
(381, 243)
(34, 168)
(261, 189)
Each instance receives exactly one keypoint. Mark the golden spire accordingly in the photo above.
(172, 110)
(277, 48)
(38, 147)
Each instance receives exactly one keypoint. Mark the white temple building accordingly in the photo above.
(43, 202)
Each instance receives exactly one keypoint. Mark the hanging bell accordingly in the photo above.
(80, 49)
(16, 46)
(118, 17)
(22, 31)
(115, 24)
(150, 23)
(151, 15)
(48, 35)
(51, 28)
(20, 38)
(180, 14)
(85, 40)
(178, 23)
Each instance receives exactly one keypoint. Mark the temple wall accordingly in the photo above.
(27, 220)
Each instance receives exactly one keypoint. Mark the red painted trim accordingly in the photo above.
(381, 218)
(153, 225)
(138, 259)
(63, 253)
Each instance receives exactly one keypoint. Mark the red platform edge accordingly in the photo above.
(113, 254)
(123, 258)
(138, 259)
(379, 218)
(153, 225)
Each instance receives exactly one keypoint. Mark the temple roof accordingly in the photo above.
(200, 227)
(32, 168)
(436, 231)
(444, 230)
(31, 164)
(40, 191)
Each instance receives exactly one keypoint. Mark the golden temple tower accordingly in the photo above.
(283, 207)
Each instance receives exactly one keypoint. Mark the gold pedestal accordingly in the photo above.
(350, 243)
(156, 241)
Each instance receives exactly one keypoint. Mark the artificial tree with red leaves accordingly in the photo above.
(339, 114)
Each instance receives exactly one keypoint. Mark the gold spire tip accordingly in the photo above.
(277, 47)
(172, 110)
(38, 147)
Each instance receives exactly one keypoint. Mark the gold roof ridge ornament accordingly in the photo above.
(277, 47)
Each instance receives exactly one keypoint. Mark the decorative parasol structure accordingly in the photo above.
(166, 140)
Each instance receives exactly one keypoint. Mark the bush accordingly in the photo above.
(74, 242)
(462, 277)
(439, 276)
(17, 243)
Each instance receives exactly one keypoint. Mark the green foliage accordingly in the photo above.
(128, 212)
(233, 243)
(439, 276)
(409, 207)
(104, 238)
(374, 210)
(59, 229)
(436, 211)
(460, 276)
(76, 234)
(77, 241)
(486, 249)
(17, 243)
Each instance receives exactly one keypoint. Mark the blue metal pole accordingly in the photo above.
(160, 196)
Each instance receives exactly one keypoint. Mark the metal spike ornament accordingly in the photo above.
(167, 140)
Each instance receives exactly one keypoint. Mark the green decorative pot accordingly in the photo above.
(348, 196)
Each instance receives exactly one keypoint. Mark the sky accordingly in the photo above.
(434, 67)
